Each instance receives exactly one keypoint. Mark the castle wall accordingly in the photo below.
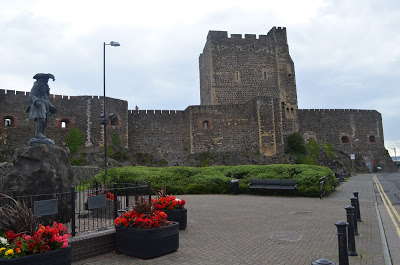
(338, 125)
(13, 105)
(162, 133)
(223, 128)
(82, 112)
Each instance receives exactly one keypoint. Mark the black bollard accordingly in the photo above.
(322, 262)
(354, 203)
(350, 235)
(342, 240)
(358, 207)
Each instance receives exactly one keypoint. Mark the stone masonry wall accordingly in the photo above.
(162, 133)
(172, 136)
(235, 70)
(362, 128)
(220, 128)
(82, 112)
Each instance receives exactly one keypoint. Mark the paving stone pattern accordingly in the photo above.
(253, 229)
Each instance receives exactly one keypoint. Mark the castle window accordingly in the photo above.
(237, 76)
(64, 123)
(372, 139)
(289, 75)
(9, 121)
(115, 122)
(265, 76)
(205, 125)
(345, 140)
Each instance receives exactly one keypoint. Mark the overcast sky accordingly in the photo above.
(346, 53)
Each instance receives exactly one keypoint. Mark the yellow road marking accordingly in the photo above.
(388, 203)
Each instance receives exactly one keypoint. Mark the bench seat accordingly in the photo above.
(273, 184)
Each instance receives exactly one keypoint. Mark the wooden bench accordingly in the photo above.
(272, 184)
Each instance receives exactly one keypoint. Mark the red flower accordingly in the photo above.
(10, 235)
(168, 202)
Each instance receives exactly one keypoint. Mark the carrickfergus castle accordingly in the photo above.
(248, 108)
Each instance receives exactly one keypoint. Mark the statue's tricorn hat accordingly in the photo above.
(42, 75)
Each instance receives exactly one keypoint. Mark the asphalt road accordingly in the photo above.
(391, 185)
(387, 191)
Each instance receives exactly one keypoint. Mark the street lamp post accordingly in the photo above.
(104, 121)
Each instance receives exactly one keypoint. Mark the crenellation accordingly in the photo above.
(236, 36)
(250, 36)
(2, 92)
(338, 110)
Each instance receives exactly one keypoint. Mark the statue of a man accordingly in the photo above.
(41, 108)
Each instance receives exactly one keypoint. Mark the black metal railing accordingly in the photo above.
(87, 207)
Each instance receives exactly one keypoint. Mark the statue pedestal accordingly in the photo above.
(41, 169)
(37, 141)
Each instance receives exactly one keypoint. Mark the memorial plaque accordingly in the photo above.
(45, 207)
(98, 201)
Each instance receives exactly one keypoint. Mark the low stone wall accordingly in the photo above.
(91, 245)
(85, 172)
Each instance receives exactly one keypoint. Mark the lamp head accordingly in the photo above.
(115, 43)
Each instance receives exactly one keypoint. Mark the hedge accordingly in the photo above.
(216, 180)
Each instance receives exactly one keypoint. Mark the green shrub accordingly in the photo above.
(74, 140)
(296, 144)
(208, 180)
(306, 160)
(329, 150)
(313, 147)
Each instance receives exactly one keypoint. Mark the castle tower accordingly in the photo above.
(235, 70)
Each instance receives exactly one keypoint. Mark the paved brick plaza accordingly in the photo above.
(252, 229)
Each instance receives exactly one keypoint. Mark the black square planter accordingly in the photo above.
(177, 215)
(147, 243)
(60, 256)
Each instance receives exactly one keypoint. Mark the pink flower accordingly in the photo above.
(64, 245)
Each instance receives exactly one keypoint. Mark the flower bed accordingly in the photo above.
(145, 234)
(168, 203)
(142, 220)
(173, 207)
(45, 239)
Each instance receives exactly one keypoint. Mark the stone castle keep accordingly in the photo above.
(248, 105)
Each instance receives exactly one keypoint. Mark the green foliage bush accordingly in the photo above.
(313, 147)
(216, 180)
(296, 144)
(74, 140)
(329, 150)
(306, 160)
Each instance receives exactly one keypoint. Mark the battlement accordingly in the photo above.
(216, 107)
(220, 36)
(156, 112)
(51, 96)
(335, 110)
(13, 92)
